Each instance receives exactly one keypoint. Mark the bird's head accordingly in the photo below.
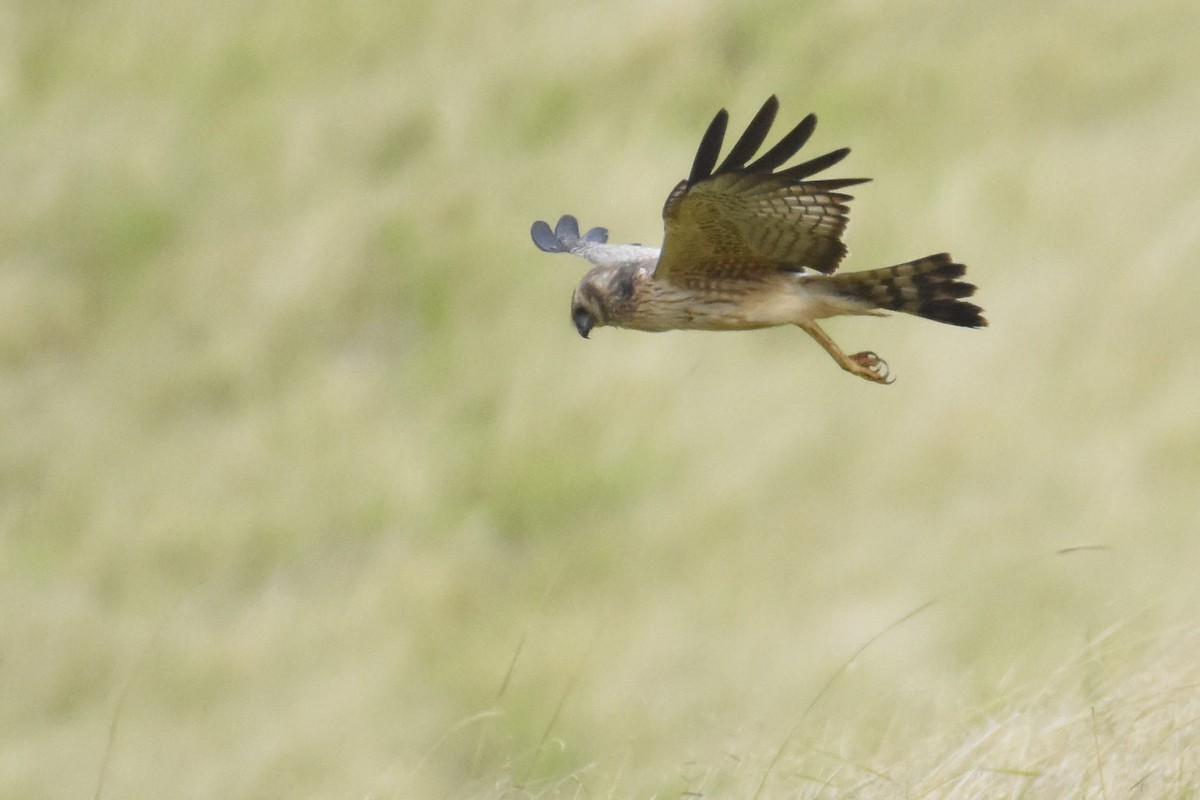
(587, 308)
(605, 296)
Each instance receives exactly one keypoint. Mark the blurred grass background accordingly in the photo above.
(309, 489)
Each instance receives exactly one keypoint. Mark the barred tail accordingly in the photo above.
(928, 287)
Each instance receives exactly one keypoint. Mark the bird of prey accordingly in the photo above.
(749, 245)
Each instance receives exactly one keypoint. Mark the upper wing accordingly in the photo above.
(744, 218)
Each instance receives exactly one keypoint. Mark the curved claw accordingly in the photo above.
(874, 368)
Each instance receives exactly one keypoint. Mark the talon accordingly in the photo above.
(875, 368)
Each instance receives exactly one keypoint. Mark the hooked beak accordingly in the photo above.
(584, 322)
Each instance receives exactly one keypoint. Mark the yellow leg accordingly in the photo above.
(864, 365)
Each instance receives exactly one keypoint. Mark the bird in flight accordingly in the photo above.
(749, 245)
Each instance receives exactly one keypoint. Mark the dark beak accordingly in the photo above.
(584, 322)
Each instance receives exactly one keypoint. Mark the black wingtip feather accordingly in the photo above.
(705, 164)
(710, 148)
(786, 147)
(753, 137)
(833, 184)
(802, 171)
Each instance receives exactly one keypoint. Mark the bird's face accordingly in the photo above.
(586, 311)
(603, 297)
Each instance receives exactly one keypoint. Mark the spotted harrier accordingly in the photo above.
(748, 245)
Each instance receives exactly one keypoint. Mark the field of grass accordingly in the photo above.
(309, 489)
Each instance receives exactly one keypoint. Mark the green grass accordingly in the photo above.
(309, 489)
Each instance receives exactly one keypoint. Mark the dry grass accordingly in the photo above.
(308, 489)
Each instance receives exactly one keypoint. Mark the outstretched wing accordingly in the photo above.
(565, 237)
(746, 218)
(592, 245)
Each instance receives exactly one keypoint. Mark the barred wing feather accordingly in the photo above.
(741, 219)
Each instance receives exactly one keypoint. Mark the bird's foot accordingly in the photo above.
(872, 367)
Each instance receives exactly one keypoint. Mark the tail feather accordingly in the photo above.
(928, 287)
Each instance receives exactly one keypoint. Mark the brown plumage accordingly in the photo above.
(928, 287)
(748, 245)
